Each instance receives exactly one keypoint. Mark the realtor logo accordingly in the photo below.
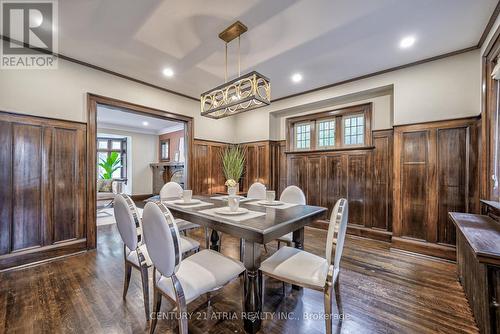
(31, 29)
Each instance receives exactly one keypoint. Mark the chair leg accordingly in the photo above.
(265, 248)
(126, 280)
(207, 238)
(156, 310)
(328, 309)
(279, 244)
(262, 288)
(338, 299)
(145, 289)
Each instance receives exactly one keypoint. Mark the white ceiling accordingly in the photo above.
(117, 119)
(326, 40)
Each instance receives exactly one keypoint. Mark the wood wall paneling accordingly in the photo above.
(313, 180)
(382, 180)
(26, 186)
(435, 172)
(414, 178)
(358, 188)
(208, 177)
(6, 188)
(42, 201)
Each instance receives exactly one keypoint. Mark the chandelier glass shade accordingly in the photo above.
(246, 92)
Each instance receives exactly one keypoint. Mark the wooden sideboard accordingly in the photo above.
(478, 266)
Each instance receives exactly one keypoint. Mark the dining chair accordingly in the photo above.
(173, 189)
(129, 224)
(257, 191)
(293, 195)
(181, 280)
(298, 267)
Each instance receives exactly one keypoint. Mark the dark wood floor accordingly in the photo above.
(382, 291)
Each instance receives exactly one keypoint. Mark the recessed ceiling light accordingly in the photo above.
(407, 42)
(168, 72)
(145, 123)
(297, 77)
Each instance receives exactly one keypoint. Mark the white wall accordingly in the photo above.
(61, 93)
(443, 89)
(143, 152)
(438, 90)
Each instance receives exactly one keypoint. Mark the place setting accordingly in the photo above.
(233, 210)
(271, 201)
(187, 200)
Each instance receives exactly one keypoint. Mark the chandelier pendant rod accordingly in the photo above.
(225, 59)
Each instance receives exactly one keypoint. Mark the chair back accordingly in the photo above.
(162, 238)
(257, 191)
(338, 229)
(127, 220)
(171, 189)
(294, 195)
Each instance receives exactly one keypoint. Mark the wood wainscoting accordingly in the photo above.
(362, 175)
(435, 172)
(42, 197)
(262, 165)
(208, 177)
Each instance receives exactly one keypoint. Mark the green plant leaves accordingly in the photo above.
(233, 162)
(110, 165)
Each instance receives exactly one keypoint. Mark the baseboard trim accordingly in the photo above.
(41, 254)
(425, 248)
(359, 231)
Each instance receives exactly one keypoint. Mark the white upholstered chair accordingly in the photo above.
(136, 256)
(181, 280)
(294, 195)
(295, 266)
(171, 190)
(257, 191)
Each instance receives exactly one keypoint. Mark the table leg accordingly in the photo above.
(214, 239)
(242, 250)
(252, 304)
(298, 240)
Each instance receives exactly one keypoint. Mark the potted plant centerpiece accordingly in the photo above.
(233, 164)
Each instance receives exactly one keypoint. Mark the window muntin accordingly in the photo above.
(302, 136)
(326, 133)
(354, 129)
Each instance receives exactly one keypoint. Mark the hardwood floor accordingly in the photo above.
(382, 291)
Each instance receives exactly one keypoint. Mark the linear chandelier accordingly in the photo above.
(246, 92)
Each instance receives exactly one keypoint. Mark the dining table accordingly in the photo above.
(261, 224)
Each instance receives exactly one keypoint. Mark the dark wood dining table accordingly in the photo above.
(252, 233)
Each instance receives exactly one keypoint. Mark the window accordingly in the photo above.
(107, 146)
(326, 133)
(338, 129)
(354, 130)
(302, 136)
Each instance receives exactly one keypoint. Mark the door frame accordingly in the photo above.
(92, 101)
